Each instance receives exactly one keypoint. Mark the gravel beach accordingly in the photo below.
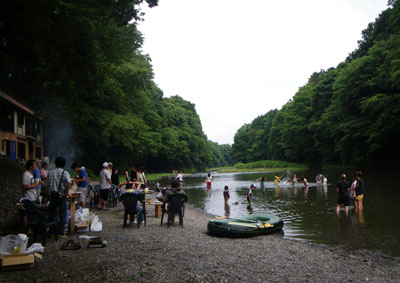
(173, 254)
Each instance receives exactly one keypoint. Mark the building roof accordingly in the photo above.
(18, 104)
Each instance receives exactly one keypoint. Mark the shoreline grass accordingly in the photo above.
(262, 165)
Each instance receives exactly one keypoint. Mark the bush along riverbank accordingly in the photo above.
(262, 165)
(173, 254)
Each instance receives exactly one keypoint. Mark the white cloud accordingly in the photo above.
(236, 60)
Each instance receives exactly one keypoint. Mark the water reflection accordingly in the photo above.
(308, 212)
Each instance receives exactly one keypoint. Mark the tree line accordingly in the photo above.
(347, 115)
(80, 65)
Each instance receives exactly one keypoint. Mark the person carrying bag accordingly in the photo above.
(59, 182)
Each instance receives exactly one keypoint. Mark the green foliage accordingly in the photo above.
(221, 154)
(269, 164)
(79, 63)
(345, 115)
(251, 140)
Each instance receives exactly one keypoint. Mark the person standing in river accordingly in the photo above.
(226, 194)
(208, 181)
(342, 188)
(304, 181)
(352, 191)
(359, 191)
(250, 196)
(294, 180)
(262, 181)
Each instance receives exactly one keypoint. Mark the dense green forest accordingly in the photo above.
(348, 115)
(80, 65)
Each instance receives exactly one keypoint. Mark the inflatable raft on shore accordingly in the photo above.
(245, 226)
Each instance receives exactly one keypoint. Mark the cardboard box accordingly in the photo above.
(19, 261)
(82, 227)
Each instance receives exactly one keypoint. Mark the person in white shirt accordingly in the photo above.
(29, 186)
(28, 182)
(105, 186)
(179, 177)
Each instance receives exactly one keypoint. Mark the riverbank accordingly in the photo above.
(173, 254)
(262, 165)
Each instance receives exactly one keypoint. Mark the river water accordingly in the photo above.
(310, 214)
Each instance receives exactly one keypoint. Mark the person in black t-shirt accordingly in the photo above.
(343, 193)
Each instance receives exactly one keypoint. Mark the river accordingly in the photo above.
(309, 214)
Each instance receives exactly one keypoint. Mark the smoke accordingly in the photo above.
(59, 141)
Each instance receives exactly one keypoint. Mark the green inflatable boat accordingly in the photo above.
(245, 226)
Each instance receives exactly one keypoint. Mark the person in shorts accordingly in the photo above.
(82, 182)
(250, 196)
(359, 191)
(342, 188)
(105, 185)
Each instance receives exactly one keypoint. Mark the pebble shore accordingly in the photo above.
(173, 254)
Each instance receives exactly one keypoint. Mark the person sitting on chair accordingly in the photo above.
(175, 189)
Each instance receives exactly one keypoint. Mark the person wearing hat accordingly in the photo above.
(250, 196)
(105, 186)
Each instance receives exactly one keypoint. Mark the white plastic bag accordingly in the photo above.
(78, 216)
(97, 225)
(36, 247)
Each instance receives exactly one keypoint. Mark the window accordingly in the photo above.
(20, 119)
(30, 127)
(21, 150)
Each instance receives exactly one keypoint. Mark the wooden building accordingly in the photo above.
(21, 130)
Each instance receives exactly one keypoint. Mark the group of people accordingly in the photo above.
(347, 192)
(350, 192)
(53, 186)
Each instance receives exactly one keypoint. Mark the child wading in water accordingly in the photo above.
(226, 194)
(208, 181)
(250, 196)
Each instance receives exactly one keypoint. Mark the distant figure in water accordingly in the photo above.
(278, 179)
(359, 191)
(352, 191)
(262, 181)
(208, 181)
(250, 196)
(226, 194)
(325, 179)
(343, 193)
(319, 178)
(293, 180)
(226, 198)
(304, 181)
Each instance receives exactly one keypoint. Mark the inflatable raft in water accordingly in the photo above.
(246, 226)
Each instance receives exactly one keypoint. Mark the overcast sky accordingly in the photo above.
(236, 60)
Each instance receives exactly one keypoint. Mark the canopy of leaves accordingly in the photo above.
(345, 115)
(79, 63)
